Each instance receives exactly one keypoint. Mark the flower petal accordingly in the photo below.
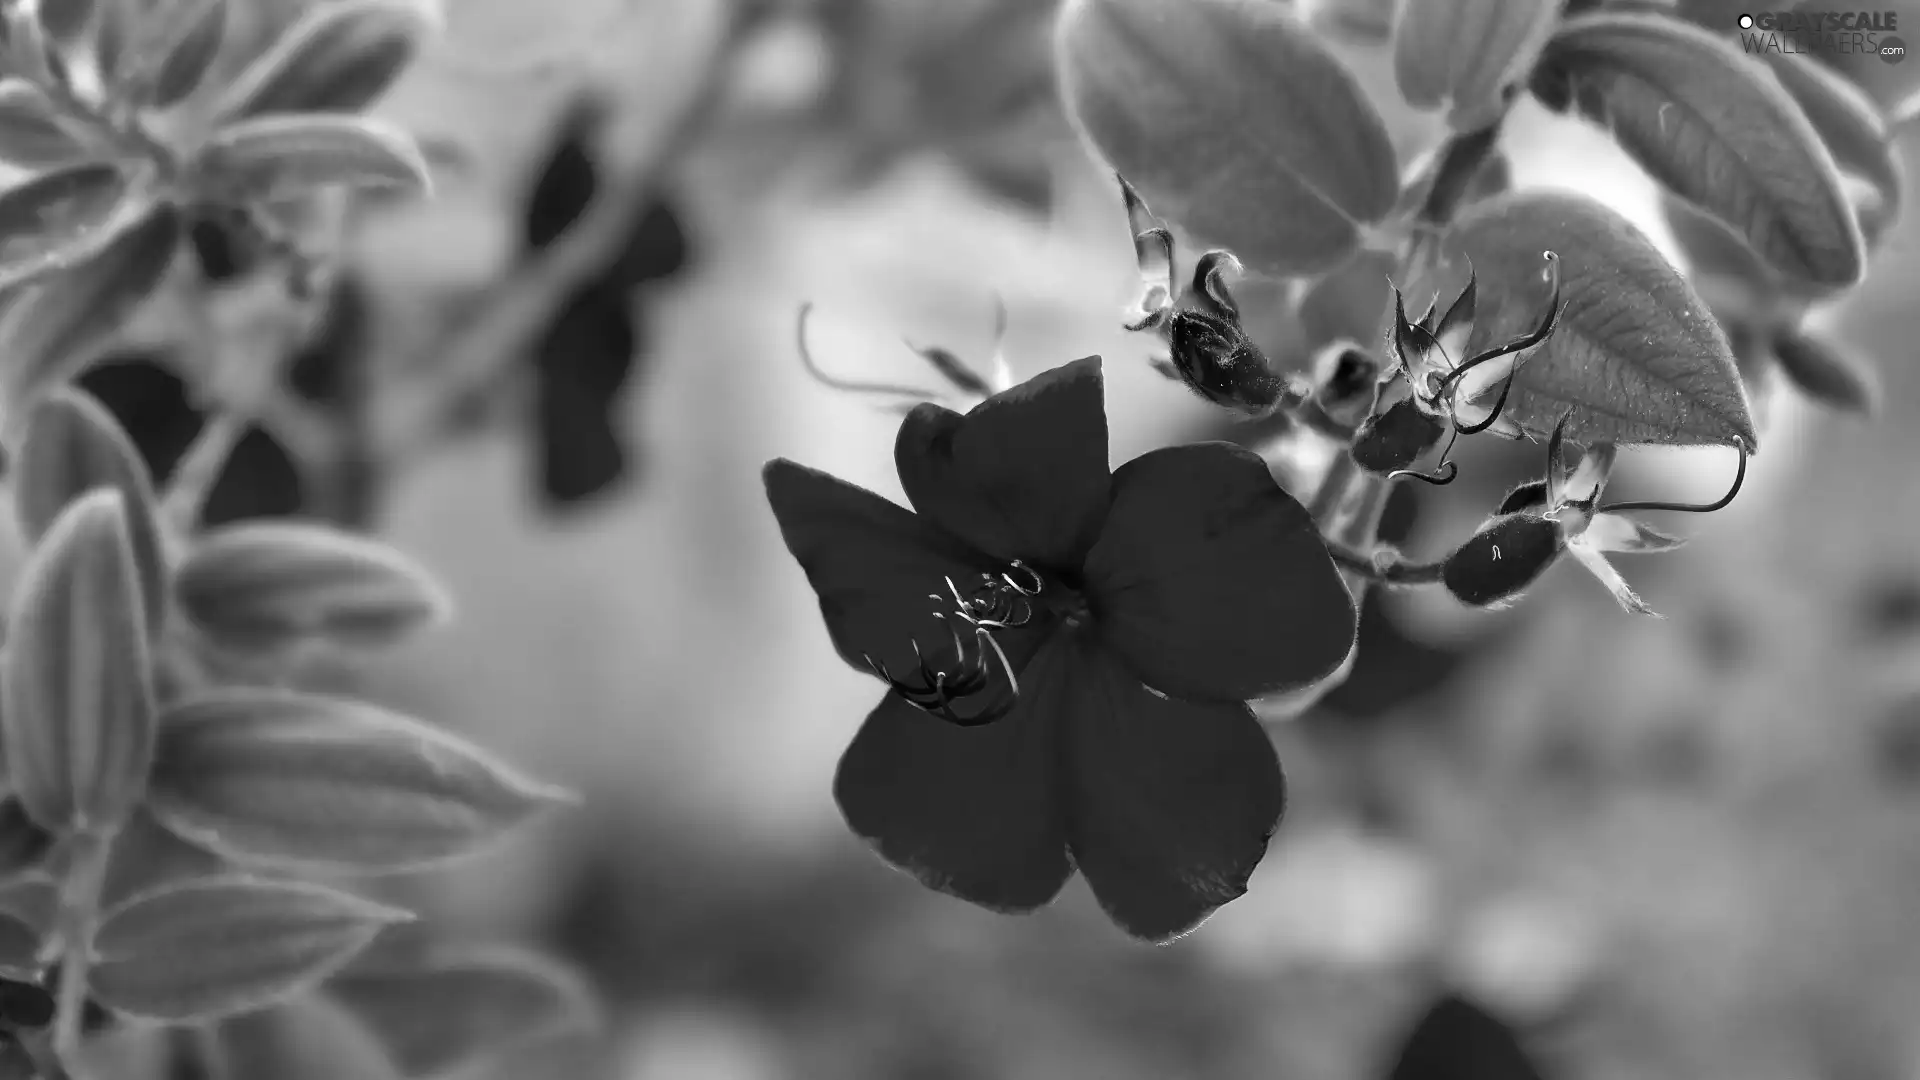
(873, 564)
(1211, 582)
(1021, 476)
(1618, 532)
(1170, 803)
(1597, 565)
(969, 811)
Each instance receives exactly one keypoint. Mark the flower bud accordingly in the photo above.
(1218, 361)
(1508, 554)
(1395, 438)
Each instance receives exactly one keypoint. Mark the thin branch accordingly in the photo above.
(1386, 569)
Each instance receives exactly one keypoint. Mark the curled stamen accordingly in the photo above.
(1441, 476)
(821, 376)
(1526, 341)
(1739, 478)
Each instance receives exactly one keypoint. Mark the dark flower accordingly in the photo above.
(1069, 650)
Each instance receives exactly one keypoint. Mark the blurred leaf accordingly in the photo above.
(1363, 22)
(1352, 303)
(1710, 246)
(278, 157)
(584, 360)
(657, 249)
(280, 778)
(19, 952)
(74, 445)
(1850, 123)
(1828, 372)
(206, 950)
(31, 132)
(567, 181)
(78, 698)
(1234, 122)
(1457, 1040)
(1466, 53)
(1637, 356)
(147, 856)
(65, 20)
(308, 1038)
(1705, 120)
(461, 1008)
(184, 66)
(321, 371)
(339, 57)
(53, 329)
(262, 586)
(54, 217)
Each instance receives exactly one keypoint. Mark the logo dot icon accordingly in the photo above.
(1746, 22)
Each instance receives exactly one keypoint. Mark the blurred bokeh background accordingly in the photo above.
(1649, 849)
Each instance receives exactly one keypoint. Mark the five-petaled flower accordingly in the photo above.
(1540, 520)
(1069, 652)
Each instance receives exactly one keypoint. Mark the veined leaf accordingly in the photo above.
(280, 778)
(210, 949)
(1465, 53)
(276, 157)
(78, 711)
(1233, 121)
(1637, 356)
(1707, 122)
(55, 217)
(339, 58)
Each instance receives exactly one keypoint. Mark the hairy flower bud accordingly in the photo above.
(1508, 554)
(1394, 438)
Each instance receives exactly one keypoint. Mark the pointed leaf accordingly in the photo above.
(338, 58)
(1466, 53)
(55, 217)
(262, 586)
(54, 328)
(32, 135)
(1457, 1039)
(310, 1037)
(146, 856)
(1636, 356)
(277, 157)
(455, 1010)
(73, 446)
(187, 60)
(78, 710)
(1707, 122)
(1234, 122)
(210, 949)
(1829, 372)
(281, 778)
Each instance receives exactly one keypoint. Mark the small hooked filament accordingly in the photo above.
(997, 602)
(1739, 478)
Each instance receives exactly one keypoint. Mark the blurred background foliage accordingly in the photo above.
(1553, 841)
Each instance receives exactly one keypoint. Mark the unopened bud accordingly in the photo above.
(1508, 554)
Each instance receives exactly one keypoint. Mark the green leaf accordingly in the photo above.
(1708, 123)
(1637, 356)
(1854, 129)
(1234, 121)
(339, 57)
(277, 157)
(74, 445)
(310, 1037)
(54, 328)
(57, 217)
(287, 779)
(1466, 53)
(32, 135)
(78, 710)
(206, 950)
(1828, 371)
(457, 1009)
(184, 65)
(265, 586)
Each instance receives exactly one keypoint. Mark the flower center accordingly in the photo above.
(982, 606)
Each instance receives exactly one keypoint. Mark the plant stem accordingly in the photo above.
(79, 910)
